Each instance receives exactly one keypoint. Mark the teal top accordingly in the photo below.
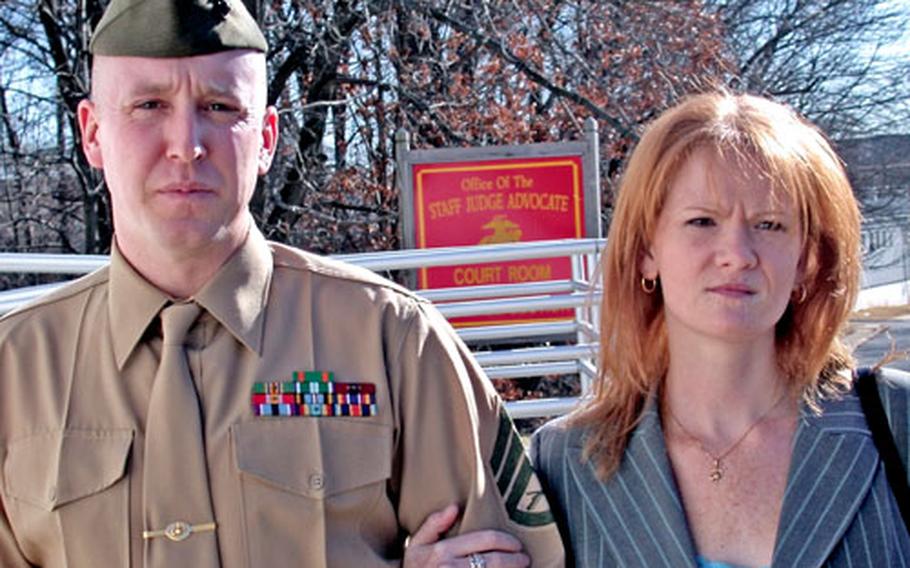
(703, 562)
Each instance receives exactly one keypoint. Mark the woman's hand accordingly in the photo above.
(479, 549)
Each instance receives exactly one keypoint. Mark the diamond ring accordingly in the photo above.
(477, 561)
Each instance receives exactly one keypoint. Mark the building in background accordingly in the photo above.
(879, 168)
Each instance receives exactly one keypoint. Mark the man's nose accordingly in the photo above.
(186, 137)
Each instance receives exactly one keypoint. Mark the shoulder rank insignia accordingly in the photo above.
(313, 393)
(517, 483)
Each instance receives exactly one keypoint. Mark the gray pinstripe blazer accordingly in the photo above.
(838, 509)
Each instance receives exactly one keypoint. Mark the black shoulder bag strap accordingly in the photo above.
(867, 390)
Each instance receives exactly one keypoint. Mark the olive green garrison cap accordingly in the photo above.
(175, 28)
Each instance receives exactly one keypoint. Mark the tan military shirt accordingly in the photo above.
(77, 371)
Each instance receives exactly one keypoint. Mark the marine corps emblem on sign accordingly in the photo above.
(503, 231)
(516, 481)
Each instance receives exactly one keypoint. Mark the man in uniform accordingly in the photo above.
(211, 398)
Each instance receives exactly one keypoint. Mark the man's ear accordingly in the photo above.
(269, 139)
(88, 127)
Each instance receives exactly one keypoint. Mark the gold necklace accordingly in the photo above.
(717, 460)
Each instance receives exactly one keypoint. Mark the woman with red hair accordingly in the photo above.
(723, 429)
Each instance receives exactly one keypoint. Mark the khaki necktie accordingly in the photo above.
(179, 524)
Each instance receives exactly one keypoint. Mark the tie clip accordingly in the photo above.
(179, 530)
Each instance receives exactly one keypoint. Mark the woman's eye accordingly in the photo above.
(771, 226)
(701, 222)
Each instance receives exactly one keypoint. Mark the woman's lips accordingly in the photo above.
(732, 290)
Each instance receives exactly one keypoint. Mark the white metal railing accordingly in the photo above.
(51, 263)
(501, 332)
(573, 354)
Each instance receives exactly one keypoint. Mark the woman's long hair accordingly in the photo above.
(800, 165)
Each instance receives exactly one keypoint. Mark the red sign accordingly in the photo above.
(498, 201)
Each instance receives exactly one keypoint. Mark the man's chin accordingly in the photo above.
(180, 239)
(192, 238)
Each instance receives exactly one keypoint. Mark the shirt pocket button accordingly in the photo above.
(317, 481)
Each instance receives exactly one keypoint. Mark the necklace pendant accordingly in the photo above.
(717, 472)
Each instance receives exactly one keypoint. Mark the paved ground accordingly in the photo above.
(880, 338)
(876, 333)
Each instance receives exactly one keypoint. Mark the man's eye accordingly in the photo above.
(149, 105)
(701, 222)
(221, 107)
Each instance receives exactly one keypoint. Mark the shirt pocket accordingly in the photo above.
(309, 481)
(68, 491)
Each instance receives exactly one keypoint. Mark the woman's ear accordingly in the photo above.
(647, 266)
(806, 268)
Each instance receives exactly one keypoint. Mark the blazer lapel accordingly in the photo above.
(638, 511)
(831, 471)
